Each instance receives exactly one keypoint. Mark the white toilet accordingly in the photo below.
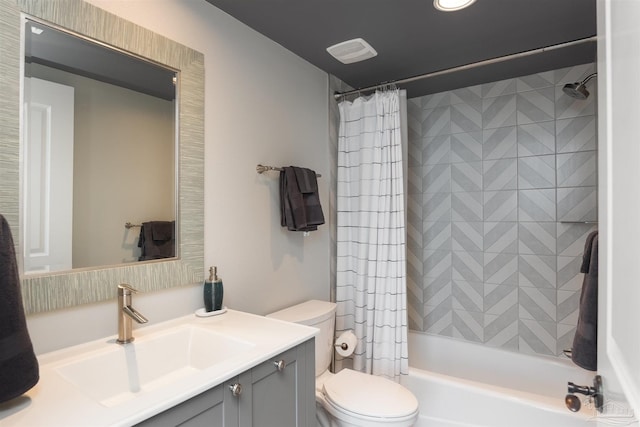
(349, 398)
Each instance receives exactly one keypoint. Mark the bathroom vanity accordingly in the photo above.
(235, 369)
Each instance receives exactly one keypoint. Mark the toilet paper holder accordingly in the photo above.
(342, 346)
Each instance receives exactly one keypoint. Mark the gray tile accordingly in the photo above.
(500, 299)
(499, 143)
(502, 87)
(501, 237)
(437, 207)
(466, 176)
(466, 117)
(568, 307)
(536, 106)
(436, 121)
(537, 205)
(466, 95)
(535, 81)
(436, 150)
(537, 271)
(536, 139)
(439, 319)
(501, 268)
(467, 236)
(537, 337)
(468, 296)
(537, 238)
(500, 206)
(537, 304)
(437, 236)
(499, 112)
(437, 291)
(537, 172)
(467, 266)
(577, 169)
(572, 237)
(466, 147)
(569, 277)
(437, 179)
(437, 264)
(466, 206)
(500, 174)
(577, 204)
(434, 100)
(502, 330)
(576, 134)
(468, 325)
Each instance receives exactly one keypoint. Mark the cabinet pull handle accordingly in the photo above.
(236, 389)
(280, 364)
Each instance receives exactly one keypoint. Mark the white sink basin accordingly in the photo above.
(122, 372)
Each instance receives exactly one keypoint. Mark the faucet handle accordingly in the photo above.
(124, 289)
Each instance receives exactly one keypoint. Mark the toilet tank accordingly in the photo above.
(319, 314)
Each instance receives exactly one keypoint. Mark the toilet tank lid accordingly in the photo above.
(307, 313)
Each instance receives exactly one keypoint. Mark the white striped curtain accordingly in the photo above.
(371, 249)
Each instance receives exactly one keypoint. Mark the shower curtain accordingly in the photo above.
(371, 257)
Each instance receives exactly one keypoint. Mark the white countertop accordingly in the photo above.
(54, 401)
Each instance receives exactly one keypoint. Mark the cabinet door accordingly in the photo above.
(213, 408)
(281, 391)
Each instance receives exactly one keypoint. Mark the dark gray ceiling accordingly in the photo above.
(413, 38)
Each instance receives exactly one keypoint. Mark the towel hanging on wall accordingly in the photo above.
(299, 199)
(584, 352)
(19, 370)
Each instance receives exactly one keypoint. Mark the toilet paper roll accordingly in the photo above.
(346, 343)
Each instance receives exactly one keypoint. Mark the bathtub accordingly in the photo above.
(461, 384)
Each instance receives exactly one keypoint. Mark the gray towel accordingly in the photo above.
(299, 199)
(584, 352)
(157, 240)
(18, 364)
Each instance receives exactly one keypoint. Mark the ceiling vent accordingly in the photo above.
(352, 51)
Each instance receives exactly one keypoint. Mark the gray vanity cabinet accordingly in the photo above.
(279, 392)
(213, 408)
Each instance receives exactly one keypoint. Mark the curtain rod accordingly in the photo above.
(470, 66)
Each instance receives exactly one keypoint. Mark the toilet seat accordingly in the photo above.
(367, 397)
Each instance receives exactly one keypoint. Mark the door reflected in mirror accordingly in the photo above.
(99, 151)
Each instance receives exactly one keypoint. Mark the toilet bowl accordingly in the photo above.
(349, 398)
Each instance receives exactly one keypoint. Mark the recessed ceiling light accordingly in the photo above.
(452, 5)
(36, 30)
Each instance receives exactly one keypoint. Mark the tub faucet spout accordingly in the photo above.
(126, 313)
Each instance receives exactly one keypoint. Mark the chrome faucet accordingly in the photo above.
(126, 313)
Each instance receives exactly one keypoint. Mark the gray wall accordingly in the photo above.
(494, 169)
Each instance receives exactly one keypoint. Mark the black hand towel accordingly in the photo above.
(157, 240)
(299, 199)
(585, 342)
(18, 364)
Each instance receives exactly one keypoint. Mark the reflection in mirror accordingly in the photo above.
(99, 145)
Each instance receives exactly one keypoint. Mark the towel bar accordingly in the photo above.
(129, 225)
(263, 169)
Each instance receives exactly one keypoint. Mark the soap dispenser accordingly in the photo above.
(213, 291)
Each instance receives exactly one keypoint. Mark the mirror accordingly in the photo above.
(98, 145)
(45, 292)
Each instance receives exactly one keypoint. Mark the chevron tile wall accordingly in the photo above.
(495, 171)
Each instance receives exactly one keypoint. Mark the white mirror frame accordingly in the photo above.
(60, 290)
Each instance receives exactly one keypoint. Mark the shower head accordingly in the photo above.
(578, 90)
